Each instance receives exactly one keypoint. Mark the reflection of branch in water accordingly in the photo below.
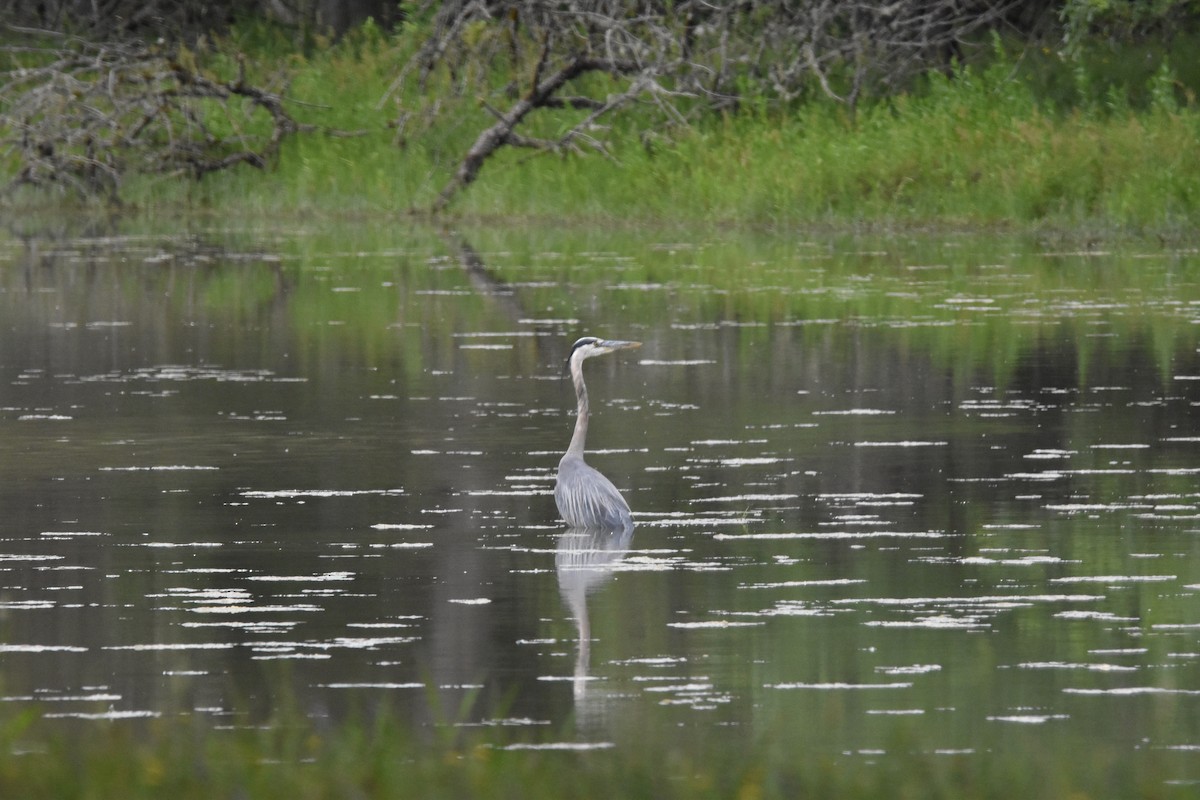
(584, 561)
(481, 278)
(183, 264)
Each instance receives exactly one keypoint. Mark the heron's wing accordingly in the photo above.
(587, 499)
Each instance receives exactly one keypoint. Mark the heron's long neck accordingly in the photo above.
(581, 412)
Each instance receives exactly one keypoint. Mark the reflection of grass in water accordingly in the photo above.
(389, 294)
(295, 759)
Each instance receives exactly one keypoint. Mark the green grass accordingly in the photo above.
(975, 150)
(1026, 141)
(292, 759)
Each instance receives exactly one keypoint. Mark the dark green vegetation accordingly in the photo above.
(1086, 118)
(293, 759)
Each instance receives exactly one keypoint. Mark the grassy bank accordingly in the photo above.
(987, 146)
(1018, 137)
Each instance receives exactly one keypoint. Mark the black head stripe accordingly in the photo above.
(581, 342)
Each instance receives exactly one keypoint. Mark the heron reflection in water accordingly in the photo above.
(585, 560)
(600, 525)
(585, 498)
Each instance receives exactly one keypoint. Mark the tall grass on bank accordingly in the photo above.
(985, 145)
(976, 148)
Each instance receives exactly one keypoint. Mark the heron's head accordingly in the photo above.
(589, 346)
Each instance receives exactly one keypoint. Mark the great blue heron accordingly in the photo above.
(585, 498)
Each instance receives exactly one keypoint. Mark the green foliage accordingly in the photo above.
(1086, 22)
(291, 759)
(1103, 137)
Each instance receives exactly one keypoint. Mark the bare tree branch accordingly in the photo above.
(684, 58)
(82, 115)
(501, 133)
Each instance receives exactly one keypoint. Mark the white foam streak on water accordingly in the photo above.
(163, 468)
(1105, 616)
(266, 609)
(380, 685)
(40, 648)
(1050, 454)
(791, 608)
(167, 545)
(640, 563)
(1175, 626)
(328, 576)
(744, 498)
(855, 412)
(1114, 579)
(934, 622)
(1023, 561)
(681, 687)
(839, 686)
(569, 746)
(683, 521)
(104, 715)
(171, 646)
(337, 643)
(723, 442)
(903, 443)
(293, 493)
(834, 535)
(752, 461)
(1076, 666)
(867, 496)
(714, 623)
(683, 362)
(1077, 508)
(248, 626)
(969, 601)
(792, 584)
(914, 669)
(1132, 691)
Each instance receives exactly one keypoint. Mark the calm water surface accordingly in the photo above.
(937, 494)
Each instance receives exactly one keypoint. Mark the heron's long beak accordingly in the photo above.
(609, 345)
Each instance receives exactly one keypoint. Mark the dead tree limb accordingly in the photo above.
(501, 133)
(84, 116)
(684, 58)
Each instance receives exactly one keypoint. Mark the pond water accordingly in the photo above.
(933, 493)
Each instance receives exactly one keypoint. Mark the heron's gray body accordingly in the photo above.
(585, 498)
